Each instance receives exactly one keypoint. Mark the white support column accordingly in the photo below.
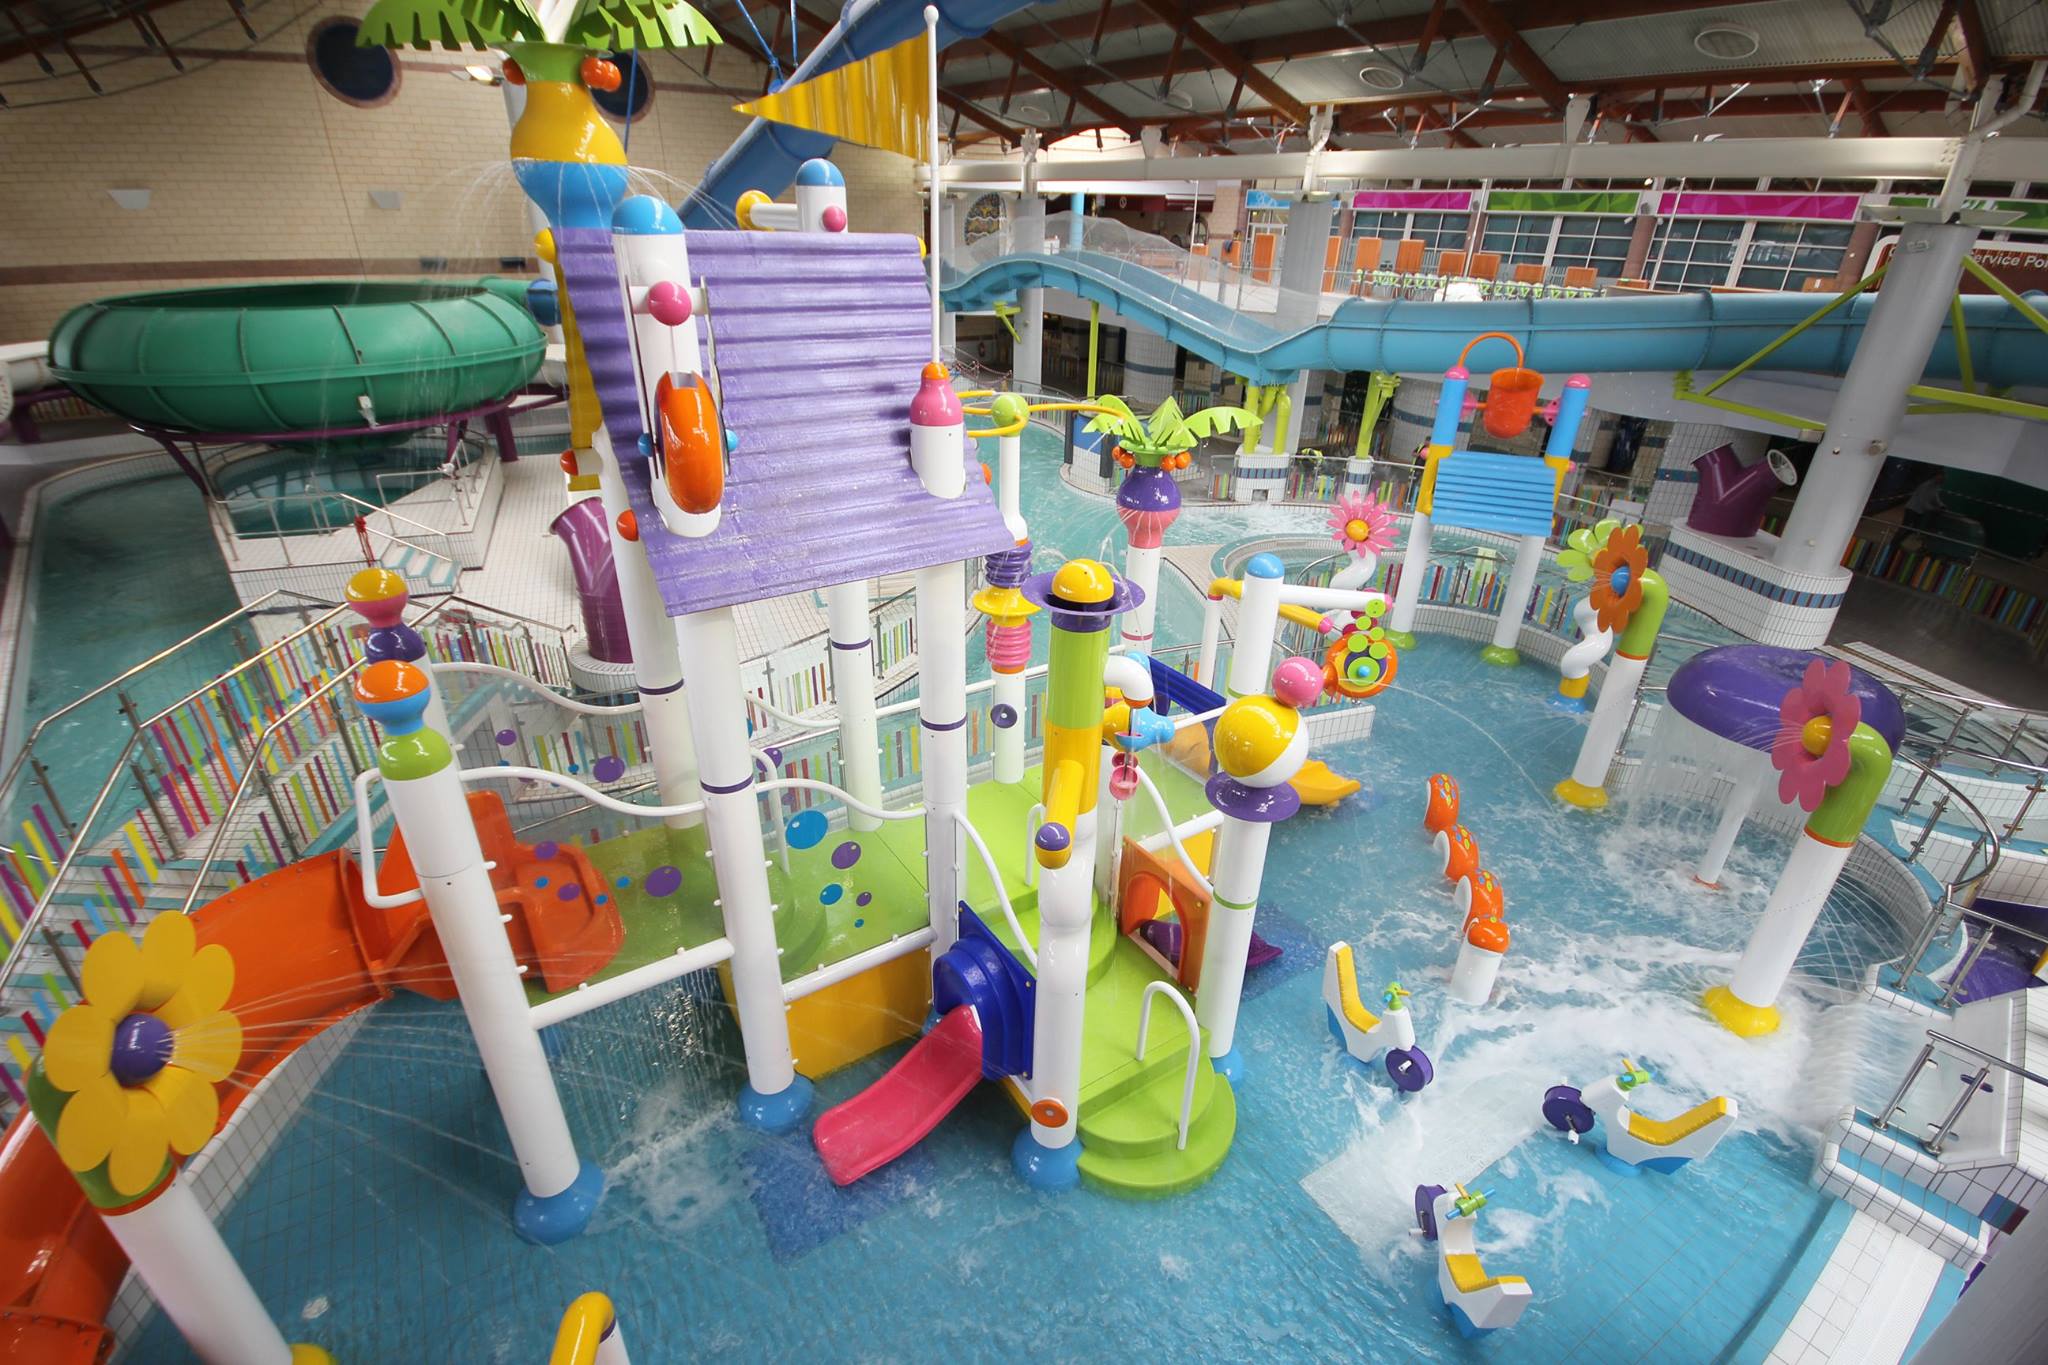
(424, 788)
(1141, 567)
(775, 1097)
(192, 1275)
(1735, 808)
(1507, 630)
(942, 710)
(1258, 620)
(1065, 921)
(1239, 869)
(1408, 592)
(1587, 785)
(1028, 361)
(853, 690)
(1788, 917)
(1212, 636)
(1912, 306)
(657, 668)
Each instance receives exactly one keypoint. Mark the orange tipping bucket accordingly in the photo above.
(1511, 401)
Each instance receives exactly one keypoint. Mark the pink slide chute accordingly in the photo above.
(891, 1116)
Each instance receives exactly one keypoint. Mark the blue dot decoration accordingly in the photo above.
(806, 829)
(540, 882)
(832, 892)
(1003, 714)
(603, 899)
(858, 923)
(623, 882)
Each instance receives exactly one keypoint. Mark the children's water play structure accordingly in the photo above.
(891, 881)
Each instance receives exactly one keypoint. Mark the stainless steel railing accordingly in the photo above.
(1973, 1085)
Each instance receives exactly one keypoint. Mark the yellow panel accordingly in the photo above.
(1355, 1012)
(880, 101)
(860, 1016)
(1425, 496)
(1664, 1132)
(1470, 1277)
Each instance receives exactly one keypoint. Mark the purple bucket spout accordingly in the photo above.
(1732, 498)
(1147, 502)
(584, 530)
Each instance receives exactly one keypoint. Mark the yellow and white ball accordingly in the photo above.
(1261, 742)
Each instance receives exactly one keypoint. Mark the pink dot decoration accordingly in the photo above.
(669, 303)
(846, 855)
(1298, 681)
(834, 218)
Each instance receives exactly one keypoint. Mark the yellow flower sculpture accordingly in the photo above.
(138, 1060)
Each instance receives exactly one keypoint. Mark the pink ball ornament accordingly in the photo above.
(834, 218)
(1298, 681)
(669, 303)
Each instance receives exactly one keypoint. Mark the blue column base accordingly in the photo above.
(1571, 706)
(779, 1112)
(546, 1220)
(1230, 1066)
(1046, 1168)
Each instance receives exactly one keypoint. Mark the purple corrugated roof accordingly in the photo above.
(819, 339)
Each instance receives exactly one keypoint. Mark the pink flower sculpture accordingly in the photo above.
(1814, 724)
(1362, 524)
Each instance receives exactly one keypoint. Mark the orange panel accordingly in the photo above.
(1408, 253)
(1486, 265)
(1450, 263)
(1365, 254)
(1580, 276)
(1331, 259)
(1528, 274)
(1264, 247)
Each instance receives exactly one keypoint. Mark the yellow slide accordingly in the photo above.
(1316, 785)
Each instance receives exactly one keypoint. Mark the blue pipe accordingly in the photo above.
(765, 155)
(1651, 332)
(1077, 227)
(1450, 407)
(1571, 408)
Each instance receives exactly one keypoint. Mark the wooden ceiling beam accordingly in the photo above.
(1224, 56)
(1507, 38)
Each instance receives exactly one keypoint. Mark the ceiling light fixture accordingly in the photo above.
(1381, 77)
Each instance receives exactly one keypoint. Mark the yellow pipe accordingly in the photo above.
(1289, 611)
(1063, 793)
(583, 1327)
(1010, 430)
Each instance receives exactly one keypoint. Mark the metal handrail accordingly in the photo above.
(28, 744)
(1187, 1094)
(1972, 1086)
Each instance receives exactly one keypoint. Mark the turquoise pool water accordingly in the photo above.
(278, 489)
(377, 1226)
(116, 574)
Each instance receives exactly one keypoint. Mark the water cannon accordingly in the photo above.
(820, 203)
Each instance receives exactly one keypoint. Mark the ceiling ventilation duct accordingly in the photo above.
(1726, 42)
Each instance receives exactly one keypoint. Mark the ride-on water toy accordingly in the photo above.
(1632, 1139)
(1478, 1302)
(1363, 1034)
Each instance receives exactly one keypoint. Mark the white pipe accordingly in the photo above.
(1579, 659)
(995, 878)
(1610, 718)
(1258, 619)
(1130, 677)
(1240, 865)
(1065, 909)
(441, 839)
(1187, 1093)
(587, 996)
(1011, 691)
(1788, 917)
(941, 604)
(903, 945)
(718, 717)
(582, 708)
(1735, 808)
(1009, 483)
(1507, 630)
(853, 688)
(192, 1275)
(366, 849)
(933, 246)
(1186, 829)
(1212, 634)
(1414, 563)
(1172, 834)
(1141, 567)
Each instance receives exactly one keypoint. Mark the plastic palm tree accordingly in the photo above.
(1168, 433)
(560, 63)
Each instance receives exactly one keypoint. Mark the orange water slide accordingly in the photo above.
(309, 951)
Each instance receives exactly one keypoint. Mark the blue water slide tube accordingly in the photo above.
(765, 156)
(1649, 332)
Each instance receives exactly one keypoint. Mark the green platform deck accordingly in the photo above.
(1130, 1110)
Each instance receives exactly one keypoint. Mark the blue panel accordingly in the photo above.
(1485, 491)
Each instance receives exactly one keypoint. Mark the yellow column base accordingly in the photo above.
(1578, 794)
(302, 1354)
(1740, 1017)
(1573, 687)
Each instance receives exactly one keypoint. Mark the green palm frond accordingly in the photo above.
(1217, 420)
(1166, 420)
(1119, 421)
(448, 23)
(621, 25)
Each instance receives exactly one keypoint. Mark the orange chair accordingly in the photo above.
(1332, 258)
(1486, 265)
(1580, 277)
(1365, 254)
(1408, 253)
(1528, 274)
(1450, 263)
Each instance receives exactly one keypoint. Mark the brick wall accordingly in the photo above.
(254, 167)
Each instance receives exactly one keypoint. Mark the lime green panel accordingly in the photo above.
(1562, 201)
